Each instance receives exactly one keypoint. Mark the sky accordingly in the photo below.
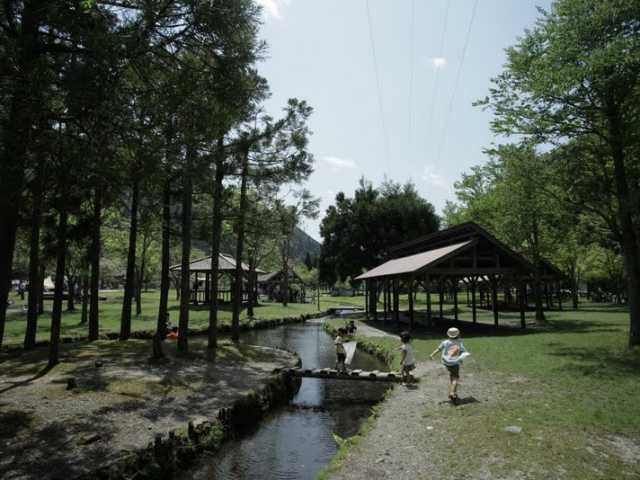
(392, 84)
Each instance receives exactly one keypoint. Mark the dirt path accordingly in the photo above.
(401, 444)
(119, 404)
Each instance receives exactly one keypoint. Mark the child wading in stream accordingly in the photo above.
(453, 352)
(407, 358)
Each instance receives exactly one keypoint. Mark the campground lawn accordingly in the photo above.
(572, 386)
(111, 311)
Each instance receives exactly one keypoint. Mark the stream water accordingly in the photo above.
(296, 441)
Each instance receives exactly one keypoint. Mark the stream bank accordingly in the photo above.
(125, 414)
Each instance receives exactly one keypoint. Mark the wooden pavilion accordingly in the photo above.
(271, 284)
(200, 278)
(466, 255)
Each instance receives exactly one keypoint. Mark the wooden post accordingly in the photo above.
(195, 291)
(411, 304)
(523, 286)
(560, 296)
(385, 291)
(441, 299)
(396, 300)
(546, 294)
(428, 289)
(473, 300)
(455, 298)
(366, 299)
(373, 298)
(494, 299)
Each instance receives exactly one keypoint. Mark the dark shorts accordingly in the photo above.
(454, 371)
(341, 357)
(408, 368)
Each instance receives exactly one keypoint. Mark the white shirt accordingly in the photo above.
(409, 358)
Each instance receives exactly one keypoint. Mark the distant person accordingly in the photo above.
(21, 290)
(351, 328)
(407, 357)
(341, 354)
(453, 352)
(168, 327)
(173, 334)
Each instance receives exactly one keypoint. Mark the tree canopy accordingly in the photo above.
(357, 232)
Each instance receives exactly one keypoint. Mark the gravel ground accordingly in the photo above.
(47, 431)
(403, 444)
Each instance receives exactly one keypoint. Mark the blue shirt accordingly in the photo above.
(451, 351)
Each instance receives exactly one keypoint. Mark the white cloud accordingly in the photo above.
(339, 163)
(435, 179)
(439, 62)
(273, 8)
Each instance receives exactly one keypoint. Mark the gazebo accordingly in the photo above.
(271, 284)
(200, 278)
(465, 254)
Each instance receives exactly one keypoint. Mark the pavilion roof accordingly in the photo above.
(267, 277)
(464, 250)
(226, 263)
(415, 263)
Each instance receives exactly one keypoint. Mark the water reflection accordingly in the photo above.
(295, 442)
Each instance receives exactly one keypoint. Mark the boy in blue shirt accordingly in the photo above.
(453, 352)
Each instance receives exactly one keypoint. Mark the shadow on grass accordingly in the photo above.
(25, 382)
(599, 361)
(13, 421)
(470, 329)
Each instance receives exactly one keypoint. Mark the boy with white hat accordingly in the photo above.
(453, 352)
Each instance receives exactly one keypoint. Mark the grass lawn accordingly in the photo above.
(573, 387)
(111, 311)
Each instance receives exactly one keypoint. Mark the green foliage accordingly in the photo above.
(356, 232)
(572, 83)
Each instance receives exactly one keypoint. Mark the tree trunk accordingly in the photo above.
(537, 280)
(251, 286)
(94, 297)
(15, 144)
(41, 290)
(163, 312)
(35, 283)
(84, 315)
(185, 284)
(125, 324)
(140, 273)
(138, 289)
(574, 286)
(215, 250)
(56, 315)
(285, 271)
(239, 277)
(630, 246)
(71, 290)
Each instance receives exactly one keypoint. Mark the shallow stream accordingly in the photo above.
(296, 441)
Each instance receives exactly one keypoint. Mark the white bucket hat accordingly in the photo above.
(453, 332)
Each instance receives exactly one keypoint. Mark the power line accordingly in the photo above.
(440, 53)
(456, 82)
(375, 69)
(411, 55)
